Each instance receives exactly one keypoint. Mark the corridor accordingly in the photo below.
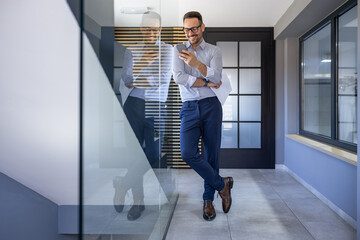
(267, 204)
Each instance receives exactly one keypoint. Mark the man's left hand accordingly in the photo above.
(214, 85)
(129, 85)
(189, 58)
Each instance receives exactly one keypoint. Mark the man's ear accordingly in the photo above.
(202, 27)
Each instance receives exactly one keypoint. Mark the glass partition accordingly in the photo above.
(128, 190)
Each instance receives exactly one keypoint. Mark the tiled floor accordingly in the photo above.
(267, 204)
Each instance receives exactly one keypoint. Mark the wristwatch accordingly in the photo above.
(206, 83)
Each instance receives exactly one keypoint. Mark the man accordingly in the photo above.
(197, 69)
(147, 73)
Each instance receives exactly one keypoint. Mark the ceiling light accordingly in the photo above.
(134, 10)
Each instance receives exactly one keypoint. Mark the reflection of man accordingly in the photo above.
(197, 69)
(147, 71)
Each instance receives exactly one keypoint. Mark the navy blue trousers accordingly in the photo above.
(203, 119)
(144, 126)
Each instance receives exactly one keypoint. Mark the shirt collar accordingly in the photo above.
(156, 43)
(202, 44)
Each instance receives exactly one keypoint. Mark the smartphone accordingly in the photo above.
(181, 47)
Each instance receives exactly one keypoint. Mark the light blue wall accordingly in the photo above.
(68, 219)
(333, 178)
(25, 214)
(279, 96)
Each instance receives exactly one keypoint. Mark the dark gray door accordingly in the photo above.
(248, 129)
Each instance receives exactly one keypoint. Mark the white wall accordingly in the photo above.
(39, 97)
(229, 13)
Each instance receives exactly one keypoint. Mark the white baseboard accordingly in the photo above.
(330, 204)
(280, 167)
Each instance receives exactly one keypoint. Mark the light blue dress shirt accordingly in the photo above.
(158, 73)
(185, 76)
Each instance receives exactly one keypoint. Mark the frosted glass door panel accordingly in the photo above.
(233, 77)
(229, 135)
(229, 53)
(250, 81)
(250, 108)
(250, 135)
(230, 109)
(250, 54)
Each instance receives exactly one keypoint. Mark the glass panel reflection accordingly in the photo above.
(229, 53)
(347, 119)
(229, 135)
(250, 135)
(230, 109)
(347, 83)
(250, 108)
(233, 77)
(250, 81)
(250, 54)
(317, 83)
(128, 189)
(117, 80)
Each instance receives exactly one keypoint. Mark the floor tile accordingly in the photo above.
(243, 175)
(199, 229)
(269, 230)
(330, 231)
(293, 191)
(253, 191)
(312, 210)
(259, 209)
(267, 204)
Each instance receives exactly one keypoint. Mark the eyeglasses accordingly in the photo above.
(151, 29)
(193, 29)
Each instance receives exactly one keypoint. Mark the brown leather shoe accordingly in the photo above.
(225, 194)
(135, 211)
(119, 196)
(209, 211)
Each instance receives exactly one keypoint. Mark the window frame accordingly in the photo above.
(332, 19)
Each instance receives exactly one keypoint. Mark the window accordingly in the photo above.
(328, 87)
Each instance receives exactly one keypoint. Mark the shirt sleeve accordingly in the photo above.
(180, 76)
(214, 71)
(163, 76)
(127, 73)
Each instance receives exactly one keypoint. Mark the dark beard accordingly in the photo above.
(197, 41)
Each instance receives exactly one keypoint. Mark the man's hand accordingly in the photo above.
(146, 59)
(129, 85)
(149, 57)
(214, 85)
(189, 58)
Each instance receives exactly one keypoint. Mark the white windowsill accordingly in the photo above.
(336, 152)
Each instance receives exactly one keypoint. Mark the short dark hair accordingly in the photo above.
(193, 14)
(149, 16)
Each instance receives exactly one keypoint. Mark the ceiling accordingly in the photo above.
(226, 13)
